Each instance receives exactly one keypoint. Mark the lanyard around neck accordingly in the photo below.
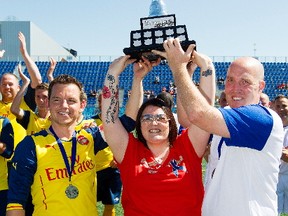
(63, 152)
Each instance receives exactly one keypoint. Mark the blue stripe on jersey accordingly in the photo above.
(249, 126)
(7, 137)
(219, 147)
(22, 171)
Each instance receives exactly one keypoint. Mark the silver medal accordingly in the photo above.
(71, 192)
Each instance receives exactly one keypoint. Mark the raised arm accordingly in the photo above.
(140, 69)
(199, 111)
(182, 116)
(207, 85)
(115, 134)
(51, 69)
(32, 68)
(15, 107)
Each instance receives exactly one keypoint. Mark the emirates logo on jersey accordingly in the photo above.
(83, 140)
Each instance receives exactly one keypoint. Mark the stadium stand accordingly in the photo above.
(92, 75)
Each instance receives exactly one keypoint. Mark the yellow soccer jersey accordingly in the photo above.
(3, 174)
(51, 176)
(6, 136)
(19, 131)
(103, 159)
(36, 123)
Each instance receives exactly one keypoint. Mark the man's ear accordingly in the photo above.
(262, 85)
(83, 105)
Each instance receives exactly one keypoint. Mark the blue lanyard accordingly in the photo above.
(63, 152)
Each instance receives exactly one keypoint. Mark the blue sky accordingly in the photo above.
(221, 28)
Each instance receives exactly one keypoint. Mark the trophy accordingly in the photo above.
(154, 31)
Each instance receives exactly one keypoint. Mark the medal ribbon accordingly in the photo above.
(63, 152)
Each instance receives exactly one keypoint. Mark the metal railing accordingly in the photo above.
(109, 58)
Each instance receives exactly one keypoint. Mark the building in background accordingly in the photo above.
(39, 44)
(157, 8)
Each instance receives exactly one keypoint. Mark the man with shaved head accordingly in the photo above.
(265, 100)
(245, 178)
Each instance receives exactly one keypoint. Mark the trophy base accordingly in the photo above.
(145, 51)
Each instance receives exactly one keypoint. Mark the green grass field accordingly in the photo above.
(119, 209)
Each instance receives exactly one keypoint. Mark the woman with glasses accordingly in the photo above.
(160, 171)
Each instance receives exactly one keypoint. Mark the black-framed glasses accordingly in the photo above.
(149, 118)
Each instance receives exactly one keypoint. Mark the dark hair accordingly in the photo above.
(280, 96)
(67, 79)
(167, 98)
(172, 123)
(42, 86)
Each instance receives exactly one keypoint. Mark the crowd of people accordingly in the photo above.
(60, 162)
(282, 86)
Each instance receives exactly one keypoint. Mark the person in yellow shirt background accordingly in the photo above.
(6, 151)
(9, 86)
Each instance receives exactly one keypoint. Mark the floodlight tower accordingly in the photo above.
(157, 8)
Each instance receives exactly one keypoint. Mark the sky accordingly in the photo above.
(102, 27)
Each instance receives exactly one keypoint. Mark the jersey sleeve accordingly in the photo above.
(24, 165)
(7, 137)
(99, 142)
(25, 120)
(29, 98)
(245, 124)
(127, 122)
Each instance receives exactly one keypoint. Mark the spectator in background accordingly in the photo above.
(92, 93)
(222, 100)
(10, 86)
(6, 151)
(252, 135)
(264, 100)
(31, 121)
(157, 80)
(34, 121)
(164, 89)
(281, 107)
(169, 101)
(282, 86)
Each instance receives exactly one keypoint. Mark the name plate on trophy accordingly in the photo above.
(158, 22)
